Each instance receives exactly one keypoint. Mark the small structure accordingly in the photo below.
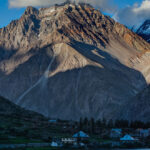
(54, 144)
(52, 121)
(116, 133)
(127, 138)
(69, 140)
(143, 133)
(81, 135)
(82, 144)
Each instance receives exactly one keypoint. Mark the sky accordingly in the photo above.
(127, 12)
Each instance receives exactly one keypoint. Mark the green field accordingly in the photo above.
(19, 130)
(40, 148)
(46, 148)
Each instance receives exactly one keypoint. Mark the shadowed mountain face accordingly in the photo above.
(140, 103)
(71, 61)
(144, 30)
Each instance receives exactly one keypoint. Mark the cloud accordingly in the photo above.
(134, 15)
(104, 5)
(129, 15)
(35, 3)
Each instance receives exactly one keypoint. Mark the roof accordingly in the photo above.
(80, 134)
(127, 138)
(52, 121)
(54, 144)
(116, 130)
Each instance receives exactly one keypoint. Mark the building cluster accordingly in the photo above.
(78, 139)
(116, 137)
(131, 135)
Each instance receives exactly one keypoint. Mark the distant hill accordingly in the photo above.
(18, 126)
(144, 30)
(7, 108)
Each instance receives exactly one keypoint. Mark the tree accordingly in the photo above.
(125, 123)
(92, 125)
(85, 123)
(110, 123)
(104, 124)
(50, 139)
(117, 124)
(99, 123)
(81, 124)
(147, 125)
(137, 124)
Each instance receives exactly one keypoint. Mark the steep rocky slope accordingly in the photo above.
(70, 61)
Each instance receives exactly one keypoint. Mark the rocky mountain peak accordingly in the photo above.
(31, 11)
(147, 22)
(144, 30)
(70, 21)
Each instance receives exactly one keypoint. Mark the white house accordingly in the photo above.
(69, 140)
(80, 134)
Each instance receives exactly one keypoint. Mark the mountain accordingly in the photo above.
(144, 30)
(70, 61)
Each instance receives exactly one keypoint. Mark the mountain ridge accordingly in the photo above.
(71, 61)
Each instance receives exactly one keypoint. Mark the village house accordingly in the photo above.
(81, 135)
(116, 133)
(127, 138)
(69, 140)
(143, 133)
(52, 121)
(54, 144)
(77, 137)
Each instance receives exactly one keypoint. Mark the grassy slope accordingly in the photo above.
(48, 148)
(18, 125)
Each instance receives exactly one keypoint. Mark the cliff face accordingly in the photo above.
(71, 61)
